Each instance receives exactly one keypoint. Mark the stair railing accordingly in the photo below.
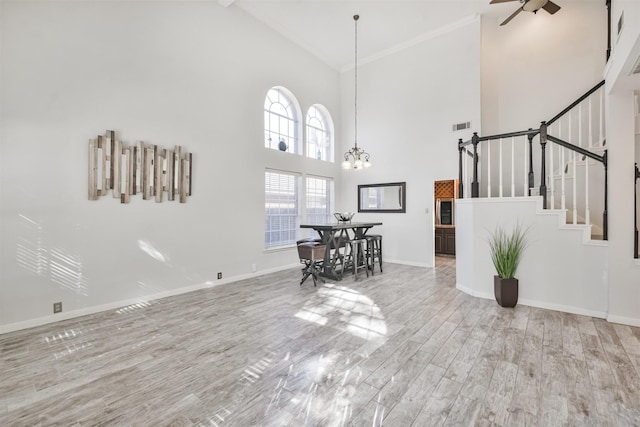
(574, 122)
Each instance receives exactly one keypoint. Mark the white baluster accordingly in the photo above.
(587, 215)
(590, 123)
(563, 197)
(500, 166)
(513, 166)
(579, 125)
(489, 168)
(525, 177)
(601, 90)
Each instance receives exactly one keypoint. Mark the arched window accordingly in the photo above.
(281, 118)
(319, 133)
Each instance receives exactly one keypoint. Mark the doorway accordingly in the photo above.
(444, 195)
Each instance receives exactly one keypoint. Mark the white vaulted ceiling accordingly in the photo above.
(325, 27)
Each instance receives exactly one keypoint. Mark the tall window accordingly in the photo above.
(283, 193)
(282, 208)
(281, 114)
(319, 200)
(319, 134)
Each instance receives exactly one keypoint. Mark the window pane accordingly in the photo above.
(281, 208)
(319, 134)
(319, 200)
(280, 120)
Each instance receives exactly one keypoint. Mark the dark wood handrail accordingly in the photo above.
(576, 102)
(500, 135)
(576, 148)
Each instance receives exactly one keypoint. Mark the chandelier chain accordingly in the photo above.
(356, 158)
(355, 73)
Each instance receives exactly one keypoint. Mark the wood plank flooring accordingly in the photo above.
(399, 348)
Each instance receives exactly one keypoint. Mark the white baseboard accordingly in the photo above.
(473, 293)
(630, 321)
(564, 308)
(411, 263)
(539, 304)
(31, 323)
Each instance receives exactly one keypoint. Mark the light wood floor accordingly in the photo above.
(400, 348)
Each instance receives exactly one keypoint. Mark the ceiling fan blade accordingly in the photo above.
(551, 7)
(513, 15)
(500, 1)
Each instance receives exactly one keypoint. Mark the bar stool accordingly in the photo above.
(312, 256)
(356, 256)
(374, 250)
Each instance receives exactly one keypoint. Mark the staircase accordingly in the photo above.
(568, 150)
(552, 178)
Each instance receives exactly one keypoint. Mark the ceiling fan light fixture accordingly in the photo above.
(529, 6)
(533, 5)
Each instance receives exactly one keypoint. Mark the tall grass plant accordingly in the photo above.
(506, 249)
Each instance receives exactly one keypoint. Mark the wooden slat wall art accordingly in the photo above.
(116, 168)
(141, 168)
(170, 176)
(93, 169)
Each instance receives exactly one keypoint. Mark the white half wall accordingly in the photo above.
(558, 270)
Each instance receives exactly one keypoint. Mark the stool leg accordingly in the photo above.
(305, 272)
(354, 259)
(371, 256)
(380, 253)
(364, 258)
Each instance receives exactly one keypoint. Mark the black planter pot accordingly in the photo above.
(506, 291)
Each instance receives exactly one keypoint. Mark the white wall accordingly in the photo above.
(188, 73)
(532, 69)
(407, 102)
(538, 64)
(557, 270)
(624, 272)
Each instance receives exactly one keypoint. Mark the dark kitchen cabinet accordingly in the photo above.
(445, 241)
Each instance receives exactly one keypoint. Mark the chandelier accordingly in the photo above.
(356, 158)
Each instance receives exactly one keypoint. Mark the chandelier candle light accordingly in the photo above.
(356, 158)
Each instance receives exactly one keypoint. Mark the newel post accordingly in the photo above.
(531, 178)
(460, 149)
(475, 185)
(543, 164)
(605, 221)
(635, 212)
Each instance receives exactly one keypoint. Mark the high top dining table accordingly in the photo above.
(333, 235)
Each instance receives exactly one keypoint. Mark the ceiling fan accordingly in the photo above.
(530, 6)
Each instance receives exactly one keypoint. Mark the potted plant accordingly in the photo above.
(506, 249)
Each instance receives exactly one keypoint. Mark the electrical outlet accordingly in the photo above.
(220, 275)
(254, 267)
(57, 307)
